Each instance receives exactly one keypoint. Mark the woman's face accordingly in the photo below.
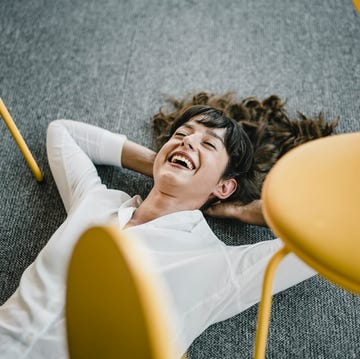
(190, 165)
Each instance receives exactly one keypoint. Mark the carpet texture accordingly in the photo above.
(109, 63)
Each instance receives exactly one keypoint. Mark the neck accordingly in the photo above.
(158, 204)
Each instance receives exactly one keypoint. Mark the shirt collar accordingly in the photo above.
(181, 220)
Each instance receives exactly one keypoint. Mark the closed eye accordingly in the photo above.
(181, 134)
(210, 145)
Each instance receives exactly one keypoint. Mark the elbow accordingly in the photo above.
(54, 134)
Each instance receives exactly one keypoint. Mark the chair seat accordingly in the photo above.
(115, 305)
(312, 202)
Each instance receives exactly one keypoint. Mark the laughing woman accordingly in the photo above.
(209, 161)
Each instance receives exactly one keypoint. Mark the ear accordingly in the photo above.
(225, 188)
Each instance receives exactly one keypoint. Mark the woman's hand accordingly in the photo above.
(250, 213)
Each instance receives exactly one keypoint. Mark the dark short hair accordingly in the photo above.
(236, 140)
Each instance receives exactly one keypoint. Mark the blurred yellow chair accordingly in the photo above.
(4, 113)
(115, 305)
(357, 5)
(311, 200)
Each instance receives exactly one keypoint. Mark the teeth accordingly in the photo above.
(176, 158)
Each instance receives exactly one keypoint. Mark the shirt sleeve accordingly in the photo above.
(73, 149)
(249, 263)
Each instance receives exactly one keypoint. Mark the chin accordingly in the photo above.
(168, 180)
(174, 186)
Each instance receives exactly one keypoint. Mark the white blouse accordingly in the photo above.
(207, 281)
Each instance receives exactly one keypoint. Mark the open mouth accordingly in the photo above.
(182, 160)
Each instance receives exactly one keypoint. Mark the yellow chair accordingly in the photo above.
(357, 5)
(311, 200)
(4, 113)
(115, 305)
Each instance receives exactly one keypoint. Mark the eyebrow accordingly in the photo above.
(208, 131)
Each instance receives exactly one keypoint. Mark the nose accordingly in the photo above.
(192, 141)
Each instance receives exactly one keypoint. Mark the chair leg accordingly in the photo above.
(265, 304)
(4, 113)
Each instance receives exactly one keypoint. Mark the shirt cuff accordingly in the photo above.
(111, 148)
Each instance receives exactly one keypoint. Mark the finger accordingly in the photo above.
(220, 210)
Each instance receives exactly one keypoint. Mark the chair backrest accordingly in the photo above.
(115, 307)
(311, 200)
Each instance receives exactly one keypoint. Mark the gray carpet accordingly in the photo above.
(109, 62)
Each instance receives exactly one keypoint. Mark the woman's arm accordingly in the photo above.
(137, 158)
(250, 213)
(74, 147)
